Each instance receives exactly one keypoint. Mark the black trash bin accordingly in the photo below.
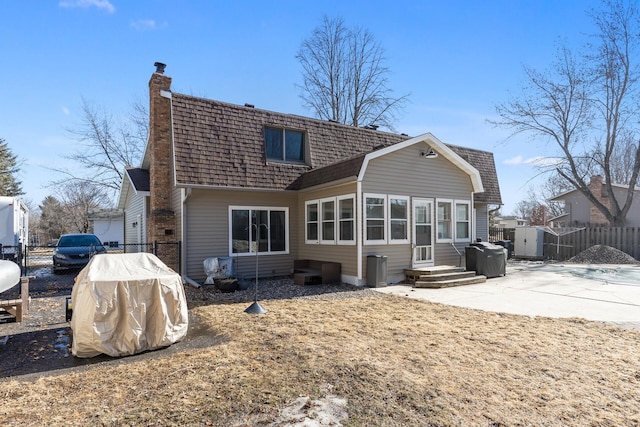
(507, 245)
(486, 258)
(376, 271)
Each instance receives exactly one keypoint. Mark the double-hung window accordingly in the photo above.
(331, 220)
(284, 145)
(346, 220)
(258, 230)
(311, 215)
(463, 221)
(374, 218)
(398, 219)
(444, 218)
(328, 213)
(454, 220)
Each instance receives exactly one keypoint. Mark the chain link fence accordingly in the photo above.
(38, 260)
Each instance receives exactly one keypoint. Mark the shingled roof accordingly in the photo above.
(218, 144)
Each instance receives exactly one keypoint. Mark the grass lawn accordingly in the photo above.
(393, 361)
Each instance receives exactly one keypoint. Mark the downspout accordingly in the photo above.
(359, 234)
(185, 193)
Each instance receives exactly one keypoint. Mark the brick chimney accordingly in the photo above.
(597, 189)
(161, 224)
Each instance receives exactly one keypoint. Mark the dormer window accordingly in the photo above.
(284, 145)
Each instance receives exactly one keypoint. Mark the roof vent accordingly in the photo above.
(372, 127)
(159, 67)
(250, 105)
(377, 147)
(333, 121)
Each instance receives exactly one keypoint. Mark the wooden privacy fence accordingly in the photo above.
(568, 243)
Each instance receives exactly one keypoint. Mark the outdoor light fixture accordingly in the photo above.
(256, 308)
(135, 224)
(428, 154)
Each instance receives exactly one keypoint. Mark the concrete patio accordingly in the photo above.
(609, 293)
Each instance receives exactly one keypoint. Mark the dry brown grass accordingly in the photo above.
(397, 361)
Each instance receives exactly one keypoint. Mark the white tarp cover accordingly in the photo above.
(124, 304)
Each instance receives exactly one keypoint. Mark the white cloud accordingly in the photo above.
(513, 161)
(146, 24)
(536, 161)
(65, 110)
(100, 4)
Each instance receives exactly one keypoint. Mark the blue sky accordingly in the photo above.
(456, 58)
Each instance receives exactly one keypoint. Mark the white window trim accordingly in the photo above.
(336, 220)
(451, 220)
(398, 241)
(385, 219)
(469, 219)
(261, 208)
(339, 221)
(321, 221)
(306, 222)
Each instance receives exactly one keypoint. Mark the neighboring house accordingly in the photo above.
(580, 212)
(229, 181)
(511, 221)
(134, 200)
(108, 225)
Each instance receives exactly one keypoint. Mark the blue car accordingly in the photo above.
(74, 251)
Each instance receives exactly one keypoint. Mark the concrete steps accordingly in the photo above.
(442, 277)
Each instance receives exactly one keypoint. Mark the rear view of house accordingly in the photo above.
(236, 181)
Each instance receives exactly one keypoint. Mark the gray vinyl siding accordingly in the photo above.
(406, 173)
(176, 206)
(578, 207)
(207, 232)
(482, 222)
(133, 207)
(346, 255)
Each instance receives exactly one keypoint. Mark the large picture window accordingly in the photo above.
(374, 217)
(258, 230)
(284, 145)
(398, 219)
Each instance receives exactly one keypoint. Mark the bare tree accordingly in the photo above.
(588, 107)
(77, 199)
(106, 147)
(344, 76)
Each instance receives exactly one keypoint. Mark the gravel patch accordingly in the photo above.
(602, 254)
(277, 288)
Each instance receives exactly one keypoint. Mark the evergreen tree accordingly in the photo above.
(9, 184)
